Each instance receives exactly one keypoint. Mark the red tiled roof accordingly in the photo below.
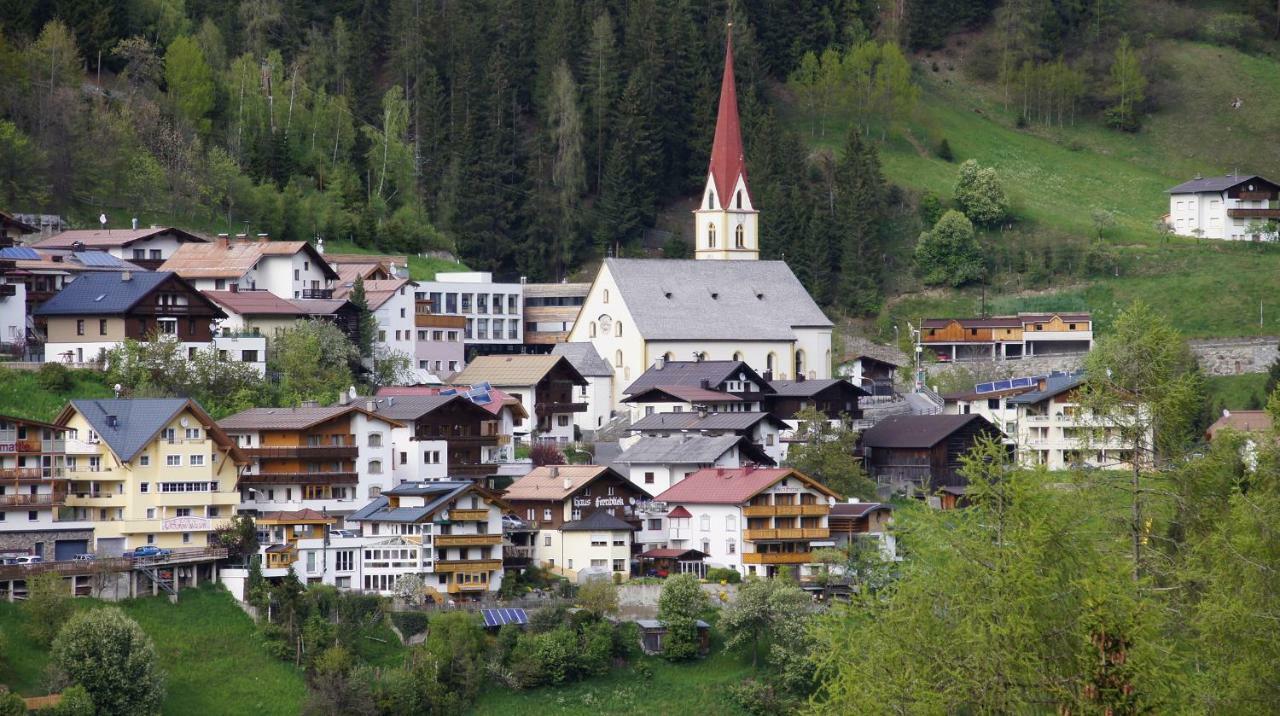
(254, 303)
(680, 513)
(111, 237)
(731, 486)
(1245, 421)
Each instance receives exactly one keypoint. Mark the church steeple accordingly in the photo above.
(727, 226)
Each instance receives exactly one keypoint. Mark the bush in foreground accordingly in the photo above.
(109, 655)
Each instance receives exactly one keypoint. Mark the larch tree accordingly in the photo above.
(189, 82)
(1126, 87)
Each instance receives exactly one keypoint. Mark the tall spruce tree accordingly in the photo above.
(368, 324)
(859, 220)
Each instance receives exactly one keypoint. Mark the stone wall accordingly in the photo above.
(986, 370)
(26, 542)
(1235, 356)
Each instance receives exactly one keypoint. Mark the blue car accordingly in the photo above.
(148, 551)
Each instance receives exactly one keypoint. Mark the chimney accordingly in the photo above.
(799, 377)
(222, 241)
(135, 223)
(371, 405)
(242, 237)
(768, 376)
(705, 384)
(660, 363)
(702, 411)
(263, 237)
(126, 276)
(235, 288)
(310, 404)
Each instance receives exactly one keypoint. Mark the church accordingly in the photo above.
(725, 304)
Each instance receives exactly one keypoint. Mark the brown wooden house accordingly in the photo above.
(834, 397)
(922, 451)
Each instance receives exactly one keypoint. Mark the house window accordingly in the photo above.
(706, 546)
(739, 234)
(375, 439)
(730, 546)
(79, 326)
(375, 467)
(598, 540)
(704, 523)
(711, 236)
(173, 460)
(799, 364)
(562, 420)
(546, 515)
(248, 356)
(617, 358)
(196, 460)
(606, 296)
(102, 326)
(648, 478)
(144, 487)
(730, 523)
(546, 540)
(144, 461)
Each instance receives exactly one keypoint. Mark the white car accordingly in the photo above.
(28, 559)
(342, 534)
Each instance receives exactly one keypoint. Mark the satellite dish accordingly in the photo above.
(184, 422)
(102, 219)
(118, 389)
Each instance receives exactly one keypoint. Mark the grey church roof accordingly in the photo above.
(583, 356)
(137, 420)
(714, 300)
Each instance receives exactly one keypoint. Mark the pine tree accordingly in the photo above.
(602, 82)
(367, 323)
(859, 218)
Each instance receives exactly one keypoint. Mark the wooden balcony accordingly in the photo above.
(9, 444)
(468, 587)
(469, 565)
(787, 533)
(346, 449)
(325, 293)
(467, 540)
(300, 478)
(544, 409)
(55, 499)
(472, 469)
(777, 557)
(281, 559)
(785, 510)
(431, 320)
(480, 515)
(30, 474)
(1254, 213)
(1255, 196)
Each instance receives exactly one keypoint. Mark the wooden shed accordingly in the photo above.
(652, 632)
(922, 451)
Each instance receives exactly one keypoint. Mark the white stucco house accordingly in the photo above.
(1231, 207)
(599, 388)
(289, 269)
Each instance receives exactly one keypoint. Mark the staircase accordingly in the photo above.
(169, 586)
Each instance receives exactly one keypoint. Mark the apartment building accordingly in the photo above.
(1231, 207)
(549, 312)
(578, 520)
(757, 520)
(395, 311)
(33, 492)
(148, 471)
(1007, 337)
(328, 459)
(492, 311)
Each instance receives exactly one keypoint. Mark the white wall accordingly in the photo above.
(166, 244)
(13, 313)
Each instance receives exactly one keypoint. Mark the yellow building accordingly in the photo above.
(149, 471)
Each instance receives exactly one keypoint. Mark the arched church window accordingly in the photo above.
(606, 295)
(739, 237)
(738, 198)
(593, 329)
(769, 361)
(617, 329)
(737, 355)
(711, 236)
(799, 362)
(617, 359)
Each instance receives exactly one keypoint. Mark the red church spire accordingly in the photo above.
(727, 160)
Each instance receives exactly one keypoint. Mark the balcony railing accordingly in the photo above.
(467, 540)
(777, 557)
(457, 587)
(56, 498)
(472, 469)
(245, 333)
(1254, 213)
(462, 515)
(784, 510)
(27, 474)
(300, 478)
(787, 533)
(10, 443)
(553, 408)
(345, 449)
(317, 293)
(468, 565)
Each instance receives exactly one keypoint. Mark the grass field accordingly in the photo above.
(1056, 177)
(421, 268)
(1237, 392)
(22, 396)
(695, 688)
(208, 649)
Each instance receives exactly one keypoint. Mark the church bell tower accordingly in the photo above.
(727, 223)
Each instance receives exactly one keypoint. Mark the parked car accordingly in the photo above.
(28, 559)
(85, 557)
(148, 551)
(342, 534)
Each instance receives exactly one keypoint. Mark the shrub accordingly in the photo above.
(679, 606)
(54, 377)
(75, 702)
(48, 606)
(949, 253)
(723, 574)
(944, 151)
(1230, 29)
(409, 623)
(598, 597)
(544, 620)
(12, 704)
(545, 453)
(979, 194)
(109, 655)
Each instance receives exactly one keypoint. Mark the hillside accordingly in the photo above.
(1056, 177)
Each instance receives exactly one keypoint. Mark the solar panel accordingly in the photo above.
(449, 391)
(984, 388)
(479, 396)
(483, 386)
(97, 259)
(498, 617)
(1003, 385)
(21, 253)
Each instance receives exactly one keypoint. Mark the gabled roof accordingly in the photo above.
(138, 421)
(376, 293)
(6, 419)
(411, 408)
(679, 513)
(869, 359)
(585, 358)
(292, 418)
(597, 520)
(810, 387)
(296, 517)
(918, 431)
(103, 293)
(688, 299)
(1245, 421)
(1053, 385)
(111, 238)
(718, 485)
(438, 493)
(727, 159)
(694, 422)
(690, 450)
(692, 373)
(681, 394)
(254, 303)
(857, 509)
(1214, 184)
(12, 222)
(320, 306)
(499, 399)
(556, 482)
(233, 259)
(515, 370)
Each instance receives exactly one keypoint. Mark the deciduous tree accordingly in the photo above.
(109, 655)
(949, 252)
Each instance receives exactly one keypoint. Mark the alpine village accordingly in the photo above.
(390, 357)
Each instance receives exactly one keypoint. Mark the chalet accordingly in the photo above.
(853, 523)
(148, 248)
(599, 388)
(686, 386)
(922, 451)
(657, 463)
(98, 311)
(330, 459)
(33, 491)
(289, 269)
(759, 428)
(835, 398)
(875, 375)
(546, 385)
(1231, 207)
(556, 501)
(756, 520)
(1008, 337)
(444, 437)
(44, 272)
(506, 409)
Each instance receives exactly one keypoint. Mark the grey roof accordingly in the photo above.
(1207, 184)
(655, 624)
(378, 510)
(692, 373)
(689, 299)
(698, 449)
(412, 407)
(137, 421)
(103, 293)
(917, 431)
(583, 356)
(597, 520)
(692, 421)
(1053, 385)
(809, 387)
